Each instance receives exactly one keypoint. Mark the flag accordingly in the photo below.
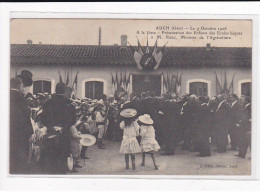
(155, 49)
(16, 72)
(116, 81)
(74, 86)
(164, 81)
(147, 47)
(67, 81)
(179, 84)
(225, 90)
(218, 87)
(121, 78)
(60, 78)
(124, 81)
(231, 87)
(113, 81)
(179, 81)
(140, 51)
(157, 54)
(131, 48)
(163, 48)
(128, 80)
(75, 83)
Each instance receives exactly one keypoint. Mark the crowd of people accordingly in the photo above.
(45, 129)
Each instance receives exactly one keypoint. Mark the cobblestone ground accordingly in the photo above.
(110, 162)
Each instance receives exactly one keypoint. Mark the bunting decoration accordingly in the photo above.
(224, 89)
(121, 80)
(145, 59)
(172, 82)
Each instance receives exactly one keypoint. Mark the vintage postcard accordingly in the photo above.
(130, 96)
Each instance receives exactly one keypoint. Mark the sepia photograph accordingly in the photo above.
(129, 97)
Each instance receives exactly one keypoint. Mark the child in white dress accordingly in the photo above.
(148, 142)
(129, 145)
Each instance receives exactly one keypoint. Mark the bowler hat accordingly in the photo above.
(26, 77)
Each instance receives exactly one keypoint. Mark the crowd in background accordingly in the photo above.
(45, 127)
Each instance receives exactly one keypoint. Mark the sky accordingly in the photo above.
(85, 32)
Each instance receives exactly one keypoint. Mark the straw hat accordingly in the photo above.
(87, 140)
(146, 119)
(128, 113)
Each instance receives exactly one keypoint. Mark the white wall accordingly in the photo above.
(103, 73)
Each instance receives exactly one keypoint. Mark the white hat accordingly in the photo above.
(146, 119)
(128, 113)
(70, 162)
(87, 140)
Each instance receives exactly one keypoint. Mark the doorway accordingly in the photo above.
(144, 83)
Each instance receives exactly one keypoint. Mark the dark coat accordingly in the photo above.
(204, 130)
(244, 139)
(148, 106)
(234, 114)
(20, 132)
(170, 114)
(58, 111)
(234, 117)
(221, 128)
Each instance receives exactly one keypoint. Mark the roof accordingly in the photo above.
(117, 55)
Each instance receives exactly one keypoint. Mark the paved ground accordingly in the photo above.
(110, 162)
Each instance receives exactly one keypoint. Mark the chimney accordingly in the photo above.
(123, 40)
(99, 36)
(29, 41)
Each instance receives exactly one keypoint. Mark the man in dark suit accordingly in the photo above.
(170, 114)
(58, 112)
(233, 119)
(220, 117)
(20, 128)
(244, 127)
(190, 116)
(203, 128)
(148, 105)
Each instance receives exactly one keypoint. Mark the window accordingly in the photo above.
(41, 86)
(246, 88)
(198, 88)
(94, 89)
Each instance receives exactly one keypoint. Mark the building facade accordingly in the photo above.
(96, 70)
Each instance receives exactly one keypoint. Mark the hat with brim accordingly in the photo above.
(128, 113)
(87, 140)
(146, 119)
(26, 77)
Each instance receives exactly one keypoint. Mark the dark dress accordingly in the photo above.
(20, 132)
(58, 111)
(221, 128)
(204, 130)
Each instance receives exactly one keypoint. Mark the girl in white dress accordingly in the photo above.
(148, 142)
(129, 145)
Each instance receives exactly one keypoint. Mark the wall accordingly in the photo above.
(103, 73)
